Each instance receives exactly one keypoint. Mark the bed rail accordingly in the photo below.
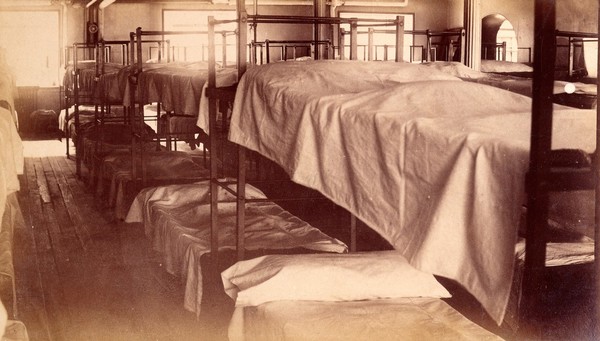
(575, 43)
(261, 52)
(494, 51)
(449, 42)
(355, 23)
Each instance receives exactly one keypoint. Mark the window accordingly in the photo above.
(195, 47)
(384, 42)
(30, 40)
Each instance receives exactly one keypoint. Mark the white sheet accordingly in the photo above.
(391, 319)
(227, 77)
(177, 221)
(504, 66)
(436, 167)
(11, 157)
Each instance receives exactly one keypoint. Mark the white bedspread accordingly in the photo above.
(435, 166)
(177, 221)
(11, 157)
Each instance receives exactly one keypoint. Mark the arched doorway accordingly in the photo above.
(498, 39)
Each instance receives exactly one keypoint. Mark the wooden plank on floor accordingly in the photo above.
(41, 181)
(72, 188)
(56, 309)
(30, 296)
(71, 206)
(64, 232)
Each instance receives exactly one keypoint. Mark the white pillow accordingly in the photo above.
(328, 277)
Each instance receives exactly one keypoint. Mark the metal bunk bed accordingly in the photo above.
(575, 45)
(184, 99)
(545, 176)
(217, 95)
(440, 45)
(85, 86)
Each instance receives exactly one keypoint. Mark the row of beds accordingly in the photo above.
(11, 218)
(422, 153)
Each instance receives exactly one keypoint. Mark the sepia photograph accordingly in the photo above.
(271, 170)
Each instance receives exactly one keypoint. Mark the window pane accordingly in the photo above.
(195, 47)
(30, 40)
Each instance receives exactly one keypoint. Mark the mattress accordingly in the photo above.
(434, 164)
(385, 319)
(176, 219)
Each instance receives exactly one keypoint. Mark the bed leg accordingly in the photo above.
(241, 203)
(352, 233)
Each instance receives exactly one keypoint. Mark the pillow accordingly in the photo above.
(328, 277)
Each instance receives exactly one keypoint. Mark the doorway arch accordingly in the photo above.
(498, 39)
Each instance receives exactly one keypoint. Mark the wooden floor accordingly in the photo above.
(81, 275)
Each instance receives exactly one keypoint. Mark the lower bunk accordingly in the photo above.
(358, 296)
(338, 295)
(176, 220)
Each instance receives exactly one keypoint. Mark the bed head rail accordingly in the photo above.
(445, 45)
(167, 50)
(450, 43)
(494, 51)
(572, 61)
(78, 52)
(261, 51)
(254, 20)
(370, 49)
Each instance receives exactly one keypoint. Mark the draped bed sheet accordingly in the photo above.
(112, 82)
(8, 91)
(433, 164)
(176, 219)
(11, 157)
(115, 173)
(87, 74)
(176, 86)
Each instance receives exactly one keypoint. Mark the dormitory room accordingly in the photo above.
(265, 170)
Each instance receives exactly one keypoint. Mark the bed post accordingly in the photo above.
(539, 166)
(353, 39)
(212, 127)
(370, 44)
(78, 146)
(341, 42)
(242, 37)
(428, 45)
(399, 38)
(463, 47)
(224, 48)
(596, 177)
